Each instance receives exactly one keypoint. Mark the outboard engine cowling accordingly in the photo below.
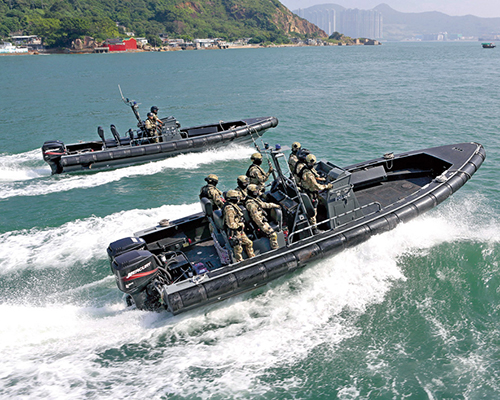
(125, 245)
(52, 152)
(134, 270)
(53, 149)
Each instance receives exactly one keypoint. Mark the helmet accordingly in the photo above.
(253, 190)
(150, 114)
(232, 195)
(154, 109)
(256, 156)
(311, 159)
(296, 146)
(242, 181)
(212, 178)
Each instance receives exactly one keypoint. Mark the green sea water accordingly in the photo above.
(412, 313)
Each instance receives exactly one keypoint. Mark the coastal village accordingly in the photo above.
(32, 44)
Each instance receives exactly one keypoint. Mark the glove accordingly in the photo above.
(329, 186)
(277, 206)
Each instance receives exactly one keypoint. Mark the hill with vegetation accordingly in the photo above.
(59, 22)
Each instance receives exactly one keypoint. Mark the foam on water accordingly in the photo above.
(63, 183)
(22, 167)
(227, 350)
(80, 241)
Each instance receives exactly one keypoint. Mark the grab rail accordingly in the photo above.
(338, 216)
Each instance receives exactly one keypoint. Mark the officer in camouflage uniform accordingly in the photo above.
(292, 160)
(158, 121)
(150, 126)
(310, 185)
(235, 227)
(243, 183)
(255, 207)
(256, 173)
(299, 166)
(210, 192)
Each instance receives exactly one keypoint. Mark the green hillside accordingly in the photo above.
(61, 21)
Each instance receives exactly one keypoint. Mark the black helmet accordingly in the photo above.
(150, 114)
(154, 109)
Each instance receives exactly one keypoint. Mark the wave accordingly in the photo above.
(63, 183)
(225, 350)
(80, 241)
(23, 166)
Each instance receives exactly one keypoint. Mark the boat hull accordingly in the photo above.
(458, 163)
(119, 156)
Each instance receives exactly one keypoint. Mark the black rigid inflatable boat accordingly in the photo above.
(187, 263)
(138, 148)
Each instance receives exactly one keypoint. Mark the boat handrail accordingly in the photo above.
(336, 217)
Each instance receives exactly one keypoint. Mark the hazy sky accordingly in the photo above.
(480, 8)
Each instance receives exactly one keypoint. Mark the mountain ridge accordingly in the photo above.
(399, 25)
(61, 21)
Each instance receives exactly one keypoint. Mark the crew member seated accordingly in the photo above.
(255, 207)
(243, 183)
(309, 185)
(210, 192)
(234, 223)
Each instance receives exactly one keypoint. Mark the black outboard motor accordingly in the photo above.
(134, 270)
(124, 245)
(52, 151)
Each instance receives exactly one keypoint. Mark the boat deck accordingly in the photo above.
(389, 192)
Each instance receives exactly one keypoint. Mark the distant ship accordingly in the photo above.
(490, 45)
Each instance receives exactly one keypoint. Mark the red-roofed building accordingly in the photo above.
(121, 45)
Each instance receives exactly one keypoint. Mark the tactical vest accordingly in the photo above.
(204, 192)
(301, 172)
(238, 212)
(249, 169)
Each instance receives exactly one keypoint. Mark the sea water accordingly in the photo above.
(412, 313)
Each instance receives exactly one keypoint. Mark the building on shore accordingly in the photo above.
(350, 22)
(129, 44)
(9, 48)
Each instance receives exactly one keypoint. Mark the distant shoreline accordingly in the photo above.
(249, 46)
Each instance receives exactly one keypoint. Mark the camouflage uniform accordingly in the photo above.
(242, 194)
(213, 194)
(233, 220)
(255, 209)
(150, 126)
(292, 160)
(298, 176)
(310, 185)
(258, 176)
